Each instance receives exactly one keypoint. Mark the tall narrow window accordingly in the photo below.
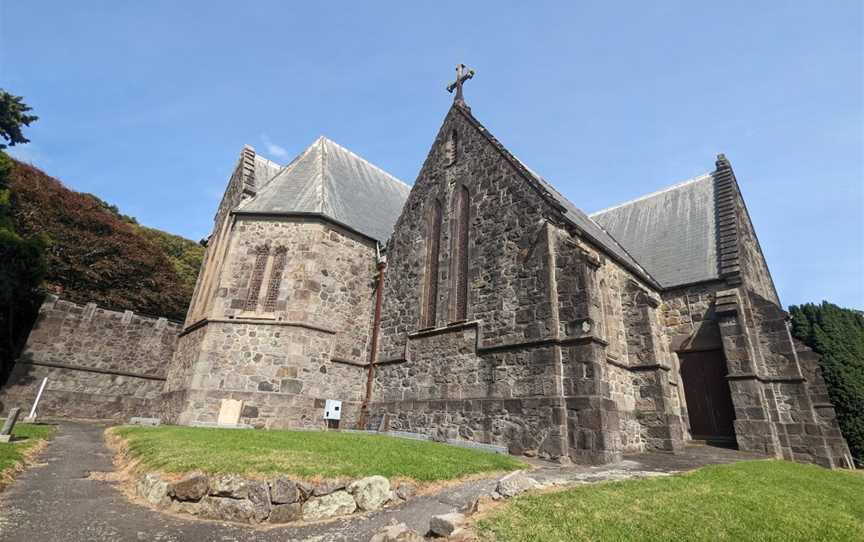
(433, 244)
(257, 279)
(450, 148)
(275, 279)
(459, 252)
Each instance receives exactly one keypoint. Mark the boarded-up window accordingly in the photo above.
(459, 252)
(262, 253)
(433, 245)
(275, 279)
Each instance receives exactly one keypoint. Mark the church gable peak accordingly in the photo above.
(557, 203)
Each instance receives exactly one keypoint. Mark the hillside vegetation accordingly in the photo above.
(94, 253)
(838, 335)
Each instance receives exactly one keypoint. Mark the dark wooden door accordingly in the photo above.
(709, 403)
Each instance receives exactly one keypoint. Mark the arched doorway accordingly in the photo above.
(709, 402)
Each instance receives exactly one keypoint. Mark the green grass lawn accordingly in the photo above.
(307, 454)
(26, 436)
(749, 501)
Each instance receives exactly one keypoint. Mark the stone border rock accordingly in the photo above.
(278, 500)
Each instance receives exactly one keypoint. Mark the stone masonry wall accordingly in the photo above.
(776, 388)
(542, 364)
(284, 358)
(99, 363)
(461, 380)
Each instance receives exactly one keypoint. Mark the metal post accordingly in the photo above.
(32, 416)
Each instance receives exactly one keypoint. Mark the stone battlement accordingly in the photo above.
(100, 363)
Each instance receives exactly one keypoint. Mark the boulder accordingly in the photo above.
(397, 532)
(405, 490)
(231, 486)
(327, 487)
(286, 513)
(370, 493)
(227, 509)
(186, 507)
(259, 495)
(190, 488)
(339, 503)
(445, 524)
(154, 490)
(284, 491)
(515, 483)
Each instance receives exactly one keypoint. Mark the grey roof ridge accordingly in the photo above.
(277, 164)
(367, 162)
(535, 180)
(322, 184)
(653, 194)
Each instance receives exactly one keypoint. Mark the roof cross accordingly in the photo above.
(463, 73)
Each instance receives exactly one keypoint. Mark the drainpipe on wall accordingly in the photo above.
(373, 347)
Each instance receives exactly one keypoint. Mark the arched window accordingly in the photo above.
(604, 310)
(459, 253)
(262, 253)
(433, 245)
(275, 280)
(450, 148)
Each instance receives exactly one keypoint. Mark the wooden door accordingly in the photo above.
(709, 403)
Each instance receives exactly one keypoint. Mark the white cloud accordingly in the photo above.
(272, 148)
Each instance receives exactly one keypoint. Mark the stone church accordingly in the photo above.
(482, 305)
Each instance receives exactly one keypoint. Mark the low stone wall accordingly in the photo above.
(100, 363)
(278, 500)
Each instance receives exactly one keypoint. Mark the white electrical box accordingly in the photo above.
(333, 409)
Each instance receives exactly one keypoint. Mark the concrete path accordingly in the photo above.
(56, 500)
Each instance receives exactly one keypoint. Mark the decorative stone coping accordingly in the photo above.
(277, 500)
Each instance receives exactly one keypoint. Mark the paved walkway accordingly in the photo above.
(56, 500)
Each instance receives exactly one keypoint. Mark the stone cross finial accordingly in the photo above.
(463, 73)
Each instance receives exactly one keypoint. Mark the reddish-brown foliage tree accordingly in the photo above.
(93, 255)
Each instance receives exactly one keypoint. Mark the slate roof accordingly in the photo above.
(329, 180)
(265, 169)
(589, 228)
(672, 233)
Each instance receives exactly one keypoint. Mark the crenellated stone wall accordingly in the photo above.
(99, 363)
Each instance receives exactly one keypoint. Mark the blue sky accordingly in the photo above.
(147, 104)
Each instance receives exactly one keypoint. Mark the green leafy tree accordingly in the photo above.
(13, 116)
(22, 262)
(837, 334)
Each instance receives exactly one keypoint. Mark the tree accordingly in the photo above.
(22, 262)
(13, 116)
(837, 334)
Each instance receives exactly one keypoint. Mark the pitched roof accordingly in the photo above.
(265, 169)
(328, 179)
(575, 216)
(671, 232)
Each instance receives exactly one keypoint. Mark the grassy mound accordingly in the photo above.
(307, 454)
(756, 500)
(13, 453)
